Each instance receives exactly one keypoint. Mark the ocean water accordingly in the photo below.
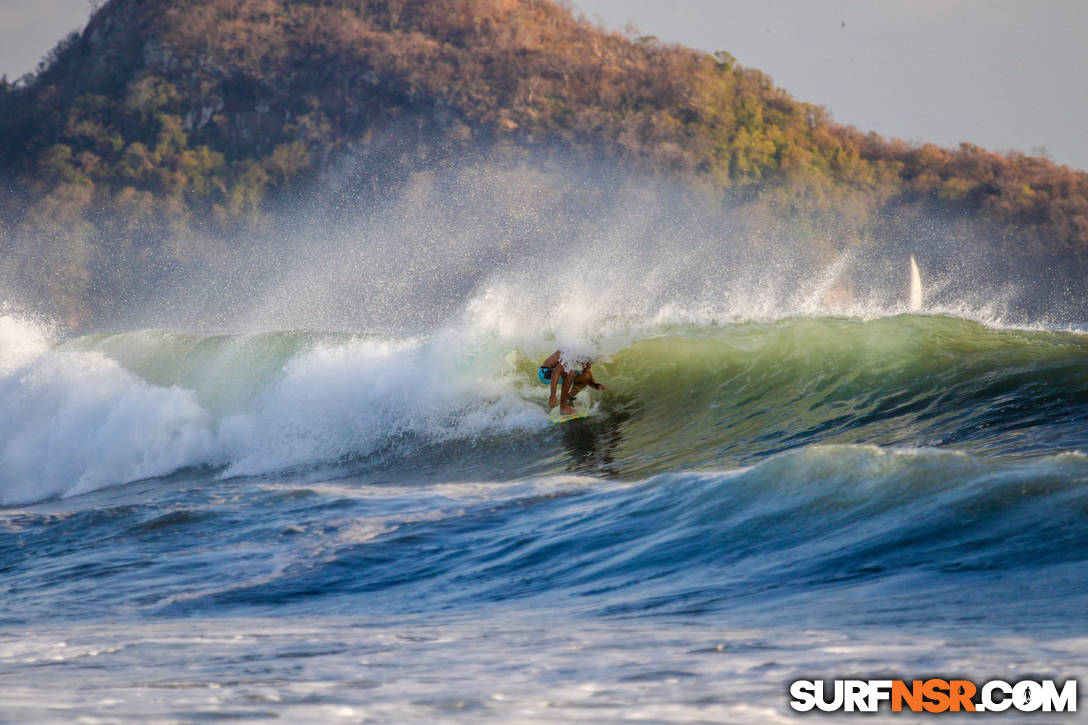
(321, 526)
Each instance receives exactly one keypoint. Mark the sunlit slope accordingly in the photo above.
(165, 136)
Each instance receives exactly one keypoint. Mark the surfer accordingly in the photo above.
(574, 376)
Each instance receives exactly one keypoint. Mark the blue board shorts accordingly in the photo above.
(544, 375)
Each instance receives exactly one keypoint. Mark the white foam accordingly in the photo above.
(348, 400)
(75, 420)
(20, 342)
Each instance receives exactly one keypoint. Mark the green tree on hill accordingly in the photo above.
(165, 124)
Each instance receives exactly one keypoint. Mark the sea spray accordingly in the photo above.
(74, 422)
(109, 409)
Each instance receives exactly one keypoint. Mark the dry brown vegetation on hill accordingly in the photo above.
(167, 127)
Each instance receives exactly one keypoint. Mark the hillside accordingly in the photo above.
(168, 130)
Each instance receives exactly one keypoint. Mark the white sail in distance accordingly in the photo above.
(915, 286)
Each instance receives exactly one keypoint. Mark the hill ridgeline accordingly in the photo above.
(166, 136)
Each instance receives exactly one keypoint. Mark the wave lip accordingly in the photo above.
(79, 421)
(105, 410)
(239, 405)
(350, 400)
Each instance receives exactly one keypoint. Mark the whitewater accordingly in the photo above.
(318, 482)
(319, 526)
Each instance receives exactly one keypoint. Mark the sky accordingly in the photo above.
(1005, 74)
(30, 28)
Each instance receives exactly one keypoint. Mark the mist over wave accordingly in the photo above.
(111, 408)
(357, 335)
(333, 443)
(556, 246)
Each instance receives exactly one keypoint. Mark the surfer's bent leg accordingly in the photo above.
(557, 371)
(585, 379)
(565, 408)
(579, 383)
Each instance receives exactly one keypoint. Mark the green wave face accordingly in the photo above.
(726, 396)
(679, 398)
(226, 372)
